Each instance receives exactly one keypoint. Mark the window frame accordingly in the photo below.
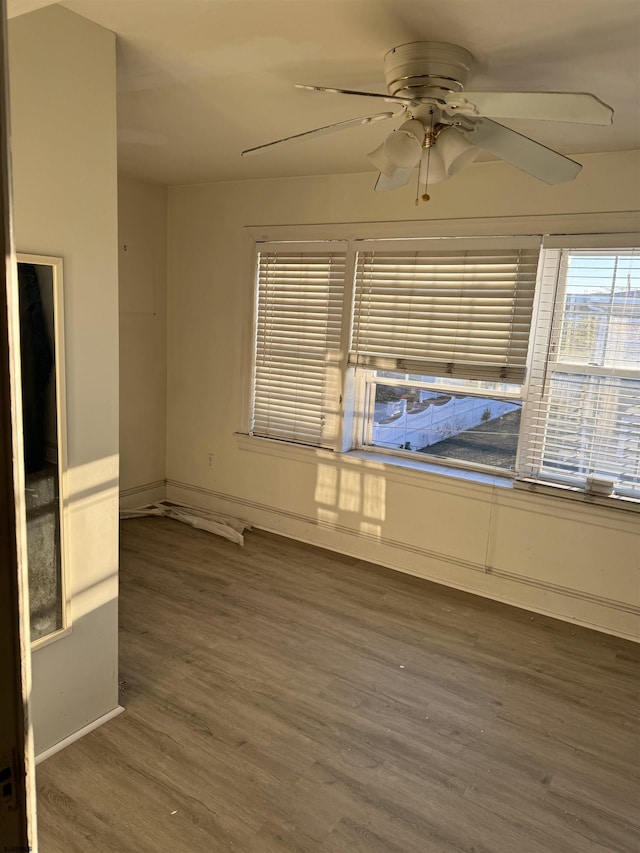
(572, 230)
(363, 441)
(541, 373)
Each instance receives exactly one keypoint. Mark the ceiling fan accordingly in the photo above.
(445, 127)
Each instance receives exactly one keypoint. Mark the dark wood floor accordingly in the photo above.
(283, 698)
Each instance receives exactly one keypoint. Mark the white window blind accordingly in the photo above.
(459, 308)
(297, 356)
(584, 415)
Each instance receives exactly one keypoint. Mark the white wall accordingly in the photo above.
(569, 559)
(142, 250)
(63, 115)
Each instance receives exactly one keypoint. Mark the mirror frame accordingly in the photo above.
(56, 265)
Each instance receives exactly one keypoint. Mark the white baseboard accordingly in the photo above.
(543, 596)
(146, 493)
(80, 733)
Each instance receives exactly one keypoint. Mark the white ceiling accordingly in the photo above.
(200, 80)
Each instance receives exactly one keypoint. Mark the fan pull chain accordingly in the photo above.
(425, 196)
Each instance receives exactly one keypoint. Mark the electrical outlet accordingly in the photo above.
(210, 458)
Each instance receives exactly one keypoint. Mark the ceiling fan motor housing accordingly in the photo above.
(426, 69)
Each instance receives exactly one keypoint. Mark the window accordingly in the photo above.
(583, 427)
(482, 353)
(466, 423)
(298, 335)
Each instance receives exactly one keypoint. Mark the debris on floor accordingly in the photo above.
(201, 519)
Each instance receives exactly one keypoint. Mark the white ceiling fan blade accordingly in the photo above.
(579, 107)
(321, 131)
(391, 99)
(530, 156)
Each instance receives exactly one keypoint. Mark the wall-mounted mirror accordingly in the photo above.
(44, 434)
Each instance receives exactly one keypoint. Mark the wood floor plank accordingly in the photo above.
(284, 699)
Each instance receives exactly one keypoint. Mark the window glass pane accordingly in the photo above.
(471, 385)
(593, 429)
(601, 312)
(471, 429)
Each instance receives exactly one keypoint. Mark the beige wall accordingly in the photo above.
(63, 114)
(142, 249)
(555, 556)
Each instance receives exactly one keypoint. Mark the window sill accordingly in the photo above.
(440, 477)
(417, 465)
(405, 469)
(566, 492)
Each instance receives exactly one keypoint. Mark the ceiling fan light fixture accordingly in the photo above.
(448, 155)
(379, 159)
(403, 146)
(399, 178)
(401, 150)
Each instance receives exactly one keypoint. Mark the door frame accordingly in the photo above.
(17, 766)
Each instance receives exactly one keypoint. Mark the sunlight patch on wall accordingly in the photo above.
(327, 516)
(351, 498)
(94, 597)
(91, 483)
(326, 485)
(370, 529)
(349, 494)
(92, 525)
(374, 496)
